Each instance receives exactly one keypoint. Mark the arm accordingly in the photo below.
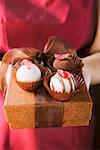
(92, 63)
(96, 44)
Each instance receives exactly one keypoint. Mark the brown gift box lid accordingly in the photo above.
(25, 109)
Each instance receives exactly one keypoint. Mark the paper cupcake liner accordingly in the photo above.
(77, 63)
(31, 86)
(63, 97)
(79, 81)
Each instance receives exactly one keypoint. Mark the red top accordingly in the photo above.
(28, 23)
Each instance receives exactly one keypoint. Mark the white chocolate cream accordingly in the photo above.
(28, 74)
(58, 83)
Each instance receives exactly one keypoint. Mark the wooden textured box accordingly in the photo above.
(33, 110)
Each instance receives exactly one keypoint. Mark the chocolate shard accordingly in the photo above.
(57, 45)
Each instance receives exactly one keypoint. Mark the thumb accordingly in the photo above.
(86, 76)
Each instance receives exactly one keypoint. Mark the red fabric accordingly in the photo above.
(29, 23)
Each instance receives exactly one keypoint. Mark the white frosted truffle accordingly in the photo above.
(28, 72)
(62, 81)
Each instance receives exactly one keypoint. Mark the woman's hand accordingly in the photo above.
(86, 76)
(91, 69)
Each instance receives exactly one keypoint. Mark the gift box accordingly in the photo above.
(24, 109)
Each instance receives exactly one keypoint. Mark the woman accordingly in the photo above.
(28, 23)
